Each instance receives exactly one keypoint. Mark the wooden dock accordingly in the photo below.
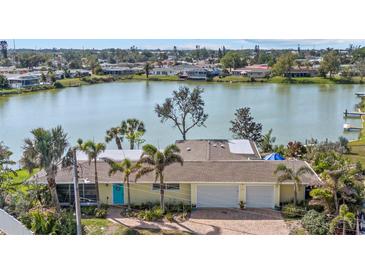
(349, 127)
(355, 114)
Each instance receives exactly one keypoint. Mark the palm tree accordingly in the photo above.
(117, 134)
(126, 167)
(46, 151)
(147, 68)
(333, 183)
(287, 173)
(133, 130)
(93, 150)
(5, 162)
(266, 145)
(346, 217)
(156, 161)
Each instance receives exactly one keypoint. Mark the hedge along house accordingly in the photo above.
(216, 173)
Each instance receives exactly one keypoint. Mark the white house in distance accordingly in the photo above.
(121, 70)
(186, 71)
(23, 81)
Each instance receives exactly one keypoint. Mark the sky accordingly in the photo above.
(182, 43)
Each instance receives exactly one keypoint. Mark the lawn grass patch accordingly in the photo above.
(94, 226)
(314, 80)
(357, 147)
(71, 82)
(9, 91)
(21, 176)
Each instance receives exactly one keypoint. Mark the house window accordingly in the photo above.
(66, 193)
(173, 186)
(167, 186)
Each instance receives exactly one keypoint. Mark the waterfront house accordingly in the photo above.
(23, 81)
(121, 70)
(254, 71)
(302, 72)
(197, 73)
(168, 71)
(186, 71)
(215, 173)
(79, 73)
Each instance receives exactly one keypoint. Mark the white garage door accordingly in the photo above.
(260, 196)
(217, 196)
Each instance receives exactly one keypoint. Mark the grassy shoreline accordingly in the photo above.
(96, 79)
(358, 146)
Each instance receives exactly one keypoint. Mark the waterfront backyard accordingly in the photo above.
(294, 112)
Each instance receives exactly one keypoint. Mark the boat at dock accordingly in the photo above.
(349, 127)
(360, 94)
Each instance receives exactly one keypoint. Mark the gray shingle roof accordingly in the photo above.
(253, 171)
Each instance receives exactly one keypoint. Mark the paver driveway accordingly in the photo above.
(236, 221)
(218, 222)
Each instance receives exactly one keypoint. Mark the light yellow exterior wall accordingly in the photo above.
(143, 193)
(277, 188)
(242, 193)
(194, 195)
(287, 193)
(106, 193)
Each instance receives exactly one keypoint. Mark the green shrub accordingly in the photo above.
(153, 214)
(177, 207)
(58, 85)
(88, 211)
(169, 216)
(66, 224)
(315, 223)
(49, 222)
(316, 207)
(292, 211)
(104, 206)
(43, 222)
(184, 215)
(148, 205)
(100, 213)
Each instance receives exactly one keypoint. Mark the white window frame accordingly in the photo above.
(166, 189)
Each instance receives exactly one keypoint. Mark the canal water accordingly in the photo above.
(294, 112)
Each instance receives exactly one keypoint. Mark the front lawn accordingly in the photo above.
(94, 226)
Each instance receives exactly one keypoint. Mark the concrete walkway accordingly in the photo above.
(215, 222)
(11, 226)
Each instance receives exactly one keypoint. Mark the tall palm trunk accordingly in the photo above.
(96, 184)
(343, 226)
(52, 188)
(132, 143)
(128, 193)
(162, 194)
(118, 142)
(295, 194)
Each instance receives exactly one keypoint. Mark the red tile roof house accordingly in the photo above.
(254, 71)
(216, 173)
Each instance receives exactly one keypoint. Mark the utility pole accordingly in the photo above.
(76, 190)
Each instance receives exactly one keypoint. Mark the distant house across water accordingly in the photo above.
(22, 81)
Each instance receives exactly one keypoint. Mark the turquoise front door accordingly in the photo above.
(118, 194)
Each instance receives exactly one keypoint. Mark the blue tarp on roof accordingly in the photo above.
(274, 157)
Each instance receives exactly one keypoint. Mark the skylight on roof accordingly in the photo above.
(240, 147)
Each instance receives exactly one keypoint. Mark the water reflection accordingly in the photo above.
(295, 112)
